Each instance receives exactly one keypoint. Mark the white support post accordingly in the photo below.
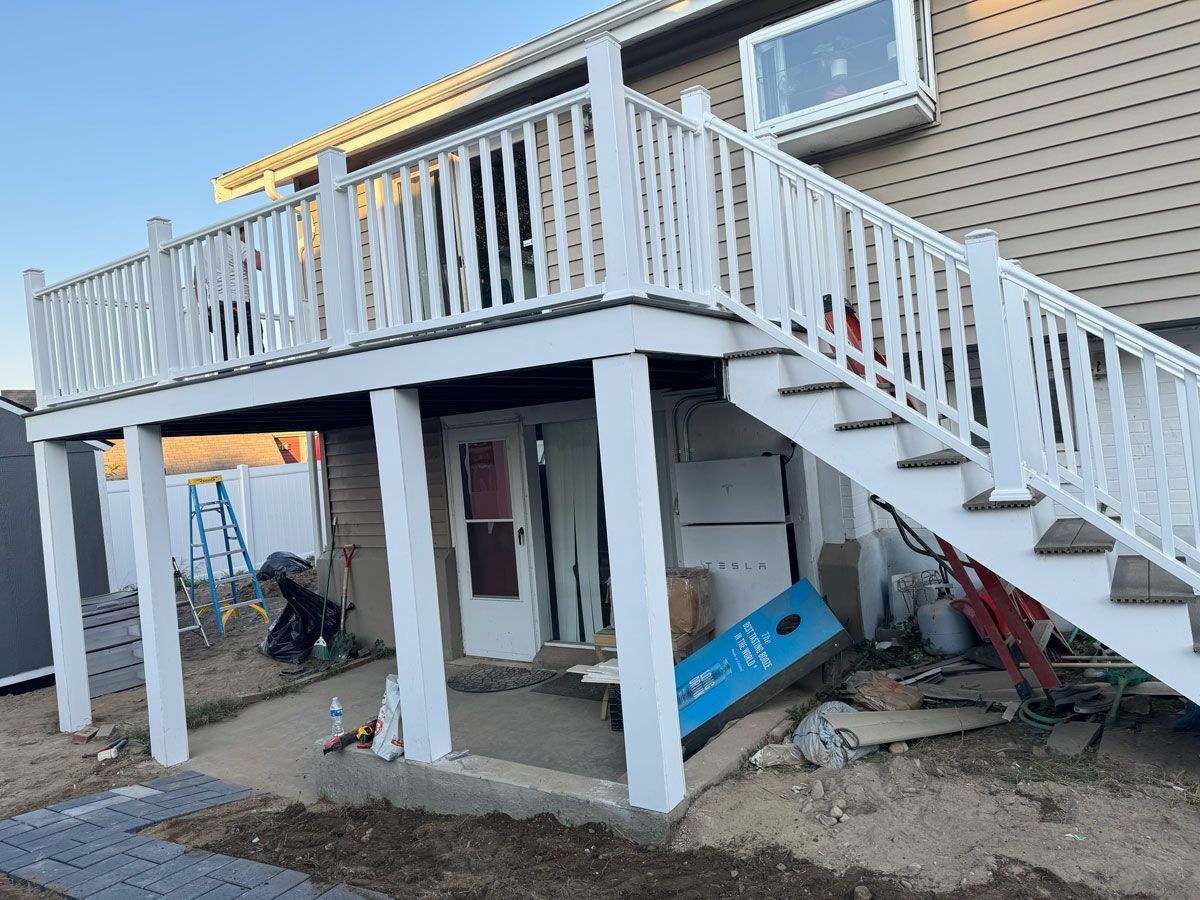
(616, 171)
(63, 594)
(156, 594)
(653, 754)
(1000, 400)
(35, 280)
(766, 249)
(339, 252)
(697, 106)
(412, 574)
(163, 299)
(1016, 324)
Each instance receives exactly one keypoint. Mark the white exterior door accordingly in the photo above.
(491, 527)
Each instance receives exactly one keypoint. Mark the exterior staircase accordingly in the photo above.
(1046, 438)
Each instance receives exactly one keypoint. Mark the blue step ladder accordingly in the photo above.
(235, 552)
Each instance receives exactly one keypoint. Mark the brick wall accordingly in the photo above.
(207, 453)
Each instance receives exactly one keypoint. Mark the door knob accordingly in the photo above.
(521, 535)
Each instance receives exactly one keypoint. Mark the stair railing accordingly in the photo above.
(1037, 385)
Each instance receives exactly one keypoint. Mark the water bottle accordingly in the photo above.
(335, 715)
(701, 684)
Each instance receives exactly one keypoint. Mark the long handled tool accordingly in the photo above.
(342, 642)
(320, 648)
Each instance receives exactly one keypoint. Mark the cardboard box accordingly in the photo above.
(689, 598)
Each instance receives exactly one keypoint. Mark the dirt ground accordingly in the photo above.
(40, 766)
(413, 854)
(953, 811)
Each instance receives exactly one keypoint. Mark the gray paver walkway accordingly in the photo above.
(88, 847)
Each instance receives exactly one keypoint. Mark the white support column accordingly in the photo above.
(653, 753)
(63, 594)
(616, 170)
(412, 574)
(338, 251)
(983, 261)
(164, 292)
(156, 594)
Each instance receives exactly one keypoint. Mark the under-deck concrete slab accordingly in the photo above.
(268, 746)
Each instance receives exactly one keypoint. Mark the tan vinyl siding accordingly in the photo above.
(1069, 126)
(353, 472)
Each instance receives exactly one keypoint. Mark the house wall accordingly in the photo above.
(25, 635)
(352, 472)
(1069, 126)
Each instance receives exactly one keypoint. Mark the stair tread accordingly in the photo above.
(762, 351)
(945, 457)
(811, 388)
(1074, 536)
(984, 501)
(867, 423)
(1137, 580)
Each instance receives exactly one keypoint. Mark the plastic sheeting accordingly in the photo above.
(295, 630)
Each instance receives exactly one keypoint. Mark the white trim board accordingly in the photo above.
(26, 676)
(604, 330)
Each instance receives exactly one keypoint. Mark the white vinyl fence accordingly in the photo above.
(280, 515)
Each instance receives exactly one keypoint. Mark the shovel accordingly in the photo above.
(320, 648)
(343, 643)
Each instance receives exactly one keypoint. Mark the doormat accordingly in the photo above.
(571, 684)
(484, 679)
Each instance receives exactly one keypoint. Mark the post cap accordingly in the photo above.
(982, 234)
(33, 271)
(601, 38)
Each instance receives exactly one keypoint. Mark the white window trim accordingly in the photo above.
(911, 83)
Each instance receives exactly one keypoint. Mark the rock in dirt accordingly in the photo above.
(817, 791)
(827, 820)
(898, 747)
(862, 892)
(843, 819)
(836, 812)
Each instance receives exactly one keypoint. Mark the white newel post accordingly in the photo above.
(338, 251)
(164, 310)
(696, 103)
(63, 593)
(1020, 347)
(616, 171)
(995, 363)
(653, 754)
(156, 594)
(35, 280)
(766, 248)
(412, 574)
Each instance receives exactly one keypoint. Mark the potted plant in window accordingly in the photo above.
(834, 56)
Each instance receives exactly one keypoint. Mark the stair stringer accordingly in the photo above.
(1077, 587)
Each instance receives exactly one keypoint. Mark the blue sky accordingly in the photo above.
(117, 111)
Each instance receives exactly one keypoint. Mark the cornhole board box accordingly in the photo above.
(746, 665)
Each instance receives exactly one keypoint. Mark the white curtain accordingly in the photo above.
(572, 475)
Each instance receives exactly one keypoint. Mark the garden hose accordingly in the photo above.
(1037, 720)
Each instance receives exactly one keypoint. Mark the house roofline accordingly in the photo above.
(533, 60)
(20, 409)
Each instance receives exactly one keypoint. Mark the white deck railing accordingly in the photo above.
(1042, 388)
(604, 192)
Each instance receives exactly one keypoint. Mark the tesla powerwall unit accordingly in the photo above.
(733, 519)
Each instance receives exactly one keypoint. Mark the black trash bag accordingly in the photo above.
(295, 630)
